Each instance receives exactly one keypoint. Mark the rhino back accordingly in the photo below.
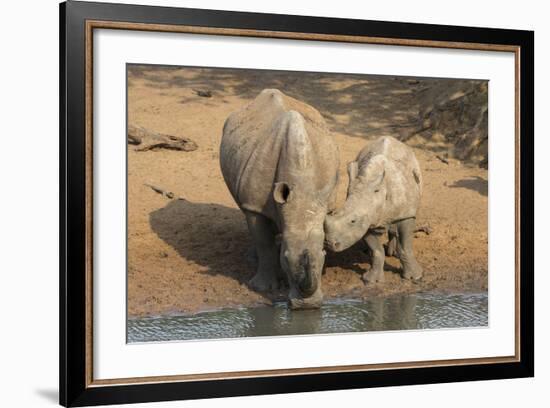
(255, 138)
(403, 176)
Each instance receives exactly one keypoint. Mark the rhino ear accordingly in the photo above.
(353, 169)
(375, 171)
(281, 192)
(380, 178)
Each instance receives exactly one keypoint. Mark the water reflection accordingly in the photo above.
(416, 311)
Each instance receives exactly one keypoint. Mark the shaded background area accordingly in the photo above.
(445, 115)
(188, 245)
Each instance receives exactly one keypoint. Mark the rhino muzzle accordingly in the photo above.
(306, 281)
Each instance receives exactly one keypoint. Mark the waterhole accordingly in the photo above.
(402, 312)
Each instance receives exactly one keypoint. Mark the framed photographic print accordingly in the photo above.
(256, 203)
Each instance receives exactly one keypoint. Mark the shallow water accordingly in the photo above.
(402, 312)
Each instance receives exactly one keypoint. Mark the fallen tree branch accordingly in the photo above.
(203, 93)
(167, 194)
(425, 229)
(149, 140)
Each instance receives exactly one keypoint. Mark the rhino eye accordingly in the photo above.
(376, 191)
(353, 221)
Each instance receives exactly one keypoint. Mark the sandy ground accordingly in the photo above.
(192, 252)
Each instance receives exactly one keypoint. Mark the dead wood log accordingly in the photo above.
(425, 229)
(203, 93)
(148, 140)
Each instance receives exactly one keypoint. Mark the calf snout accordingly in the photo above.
(334, 246)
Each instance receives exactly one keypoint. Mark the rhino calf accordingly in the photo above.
(385, 185)
(280, 164)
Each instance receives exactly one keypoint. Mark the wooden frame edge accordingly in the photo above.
(89, 205)
(289, 35)
(517, 196)
(231, 375)
(103, 24)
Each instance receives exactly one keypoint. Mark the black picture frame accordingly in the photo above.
(75, 388)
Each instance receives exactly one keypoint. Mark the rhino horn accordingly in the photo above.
(299, 151)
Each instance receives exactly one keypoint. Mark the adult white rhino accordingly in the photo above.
(280, 163)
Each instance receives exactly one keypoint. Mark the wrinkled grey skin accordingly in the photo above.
(280, 163)
(385, 186)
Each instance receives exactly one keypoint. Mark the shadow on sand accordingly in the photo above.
(216, 237)
(211, 235)
(476, 183)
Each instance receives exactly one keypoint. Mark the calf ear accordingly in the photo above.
(281, 192)
(375, 171)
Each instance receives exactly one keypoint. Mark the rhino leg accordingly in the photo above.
(263, 234)
(391, 248)
(411, 268)
(376, 272)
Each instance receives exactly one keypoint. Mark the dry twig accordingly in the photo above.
(167, 194)
(204, 94)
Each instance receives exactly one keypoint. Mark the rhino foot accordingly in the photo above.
(263, 282)
(413, 273)
(373, 276)
(411, 269)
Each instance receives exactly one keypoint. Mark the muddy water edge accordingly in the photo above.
(398, 312)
